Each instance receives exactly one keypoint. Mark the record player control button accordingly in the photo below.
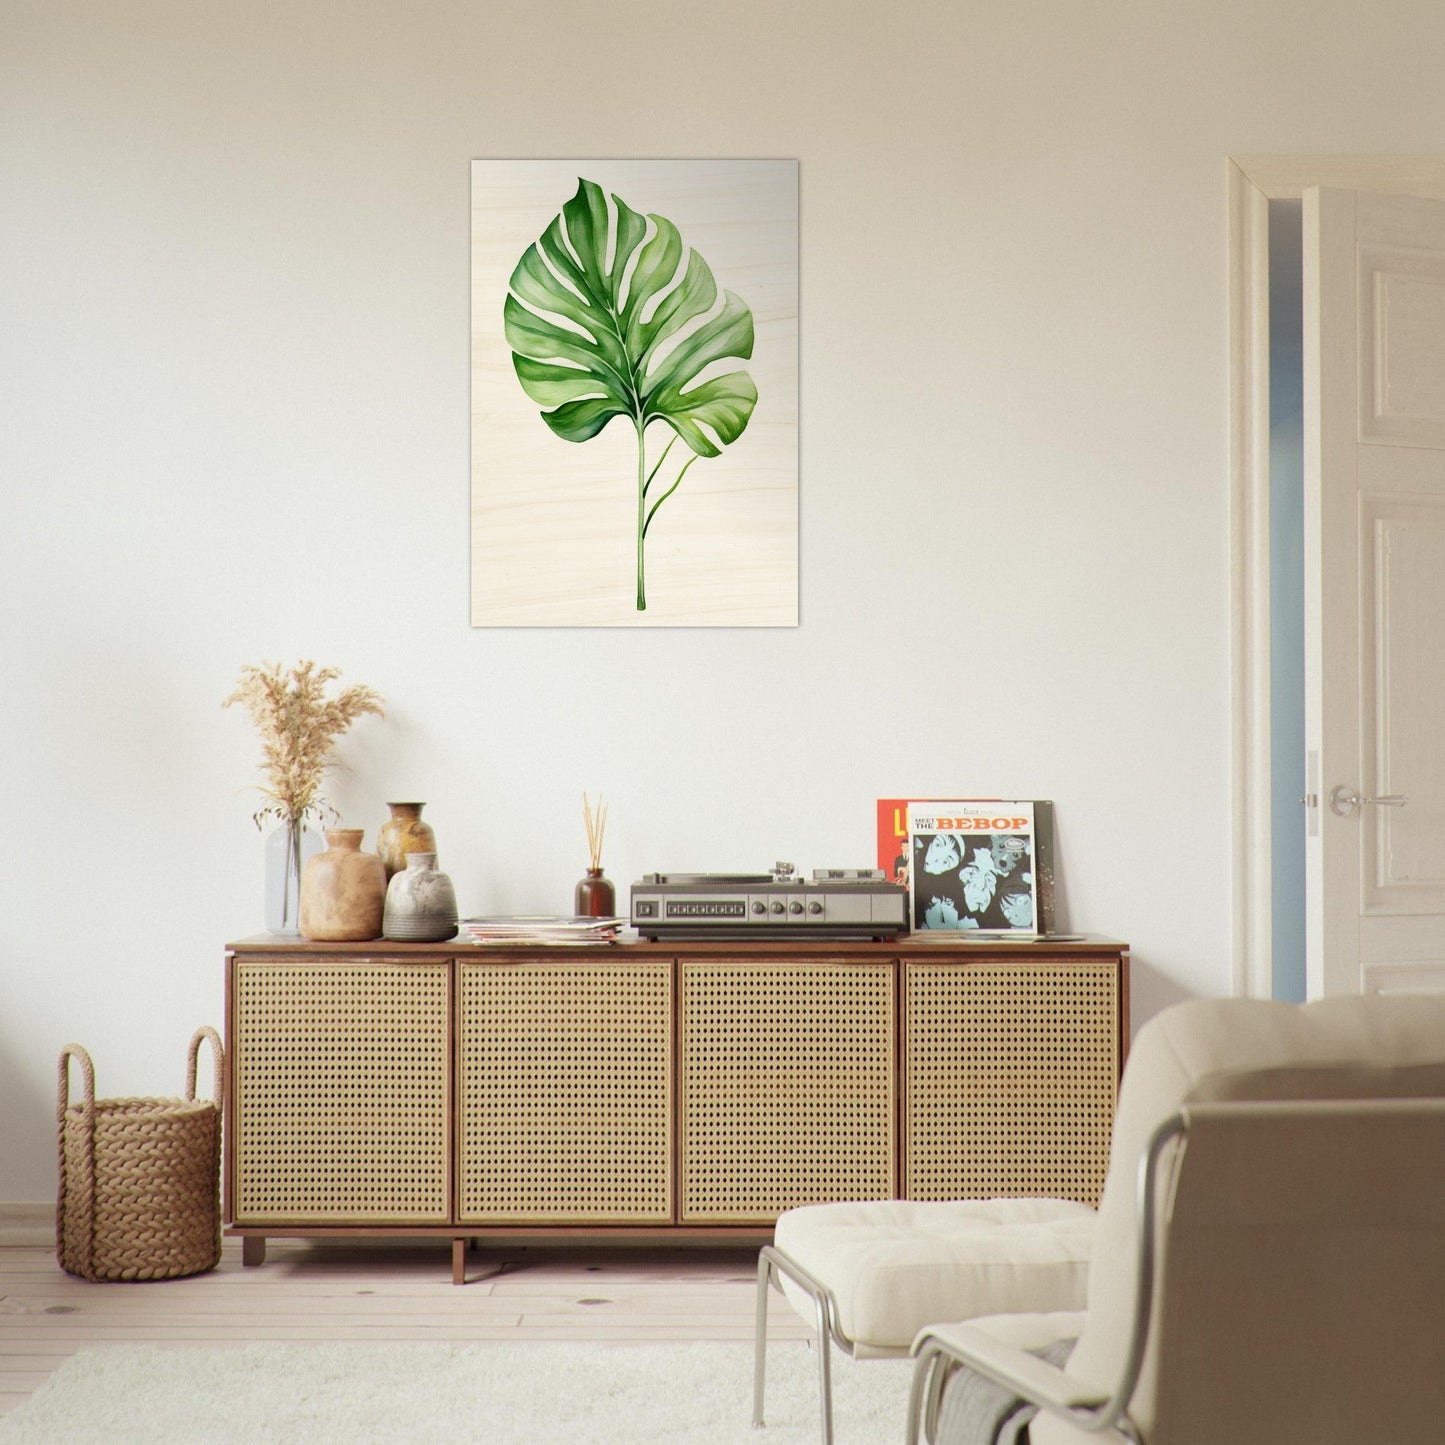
(795, 907)
(759, 906)
(777, 907)
(815, 907)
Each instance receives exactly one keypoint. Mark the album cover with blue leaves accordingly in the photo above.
(977, 865)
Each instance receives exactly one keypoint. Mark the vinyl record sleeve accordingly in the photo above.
(974, 864)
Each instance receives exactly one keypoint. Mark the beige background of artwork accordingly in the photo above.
(554, 522)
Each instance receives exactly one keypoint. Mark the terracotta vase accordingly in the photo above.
(403, 833)
(595, 897)
(421, 904)
(342, 890)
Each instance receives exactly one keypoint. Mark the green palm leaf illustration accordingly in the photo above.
(604, 320)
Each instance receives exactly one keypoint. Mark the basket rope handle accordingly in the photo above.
(84, 1187)
(87, 1071)
(218, 1090)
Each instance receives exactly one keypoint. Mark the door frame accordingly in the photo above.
(1253, 182)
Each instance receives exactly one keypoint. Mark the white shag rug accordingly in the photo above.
(473, 1394)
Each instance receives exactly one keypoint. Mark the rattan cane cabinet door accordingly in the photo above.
(565, 1079)
(787, 1080)
(341, 1091)
(1010, 1078)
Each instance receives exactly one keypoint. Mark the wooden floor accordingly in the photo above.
(380, 1292)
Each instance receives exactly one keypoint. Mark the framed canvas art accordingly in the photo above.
(634, 393)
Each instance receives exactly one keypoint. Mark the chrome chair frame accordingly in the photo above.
(772, 1263)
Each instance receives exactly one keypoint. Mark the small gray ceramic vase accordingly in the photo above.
(421, 904)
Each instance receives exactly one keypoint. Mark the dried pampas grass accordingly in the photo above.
(299, 726)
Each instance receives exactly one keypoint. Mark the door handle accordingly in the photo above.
(1344, 800)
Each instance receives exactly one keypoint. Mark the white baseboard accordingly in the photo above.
(27, 1222)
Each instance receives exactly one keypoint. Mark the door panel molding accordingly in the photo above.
(1402, 544)
(1251, 183)
(1401, 298)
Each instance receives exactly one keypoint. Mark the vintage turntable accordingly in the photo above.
(834, 903)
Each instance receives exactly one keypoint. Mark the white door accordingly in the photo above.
(1374, 412)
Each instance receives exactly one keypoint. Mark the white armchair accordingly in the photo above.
(1268, 1266)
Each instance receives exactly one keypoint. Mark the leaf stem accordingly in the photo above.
(668, 492)
(642, 484)
(653, 473)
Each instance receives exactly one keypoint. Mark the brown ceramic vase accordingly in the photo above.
(343, 891)
(403, 833)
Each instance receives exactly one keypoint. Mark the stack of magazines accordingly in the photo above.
(541, 928)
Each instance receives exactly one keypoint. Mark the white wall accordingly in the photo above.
(233, 253)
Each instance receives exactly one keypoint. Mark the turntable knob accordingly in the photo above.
(795, 907)
(777, 907)
(759, 906)
(815, 907)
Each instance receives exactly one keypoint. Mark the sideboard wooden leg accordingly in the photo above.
(459, 1261)
(253, 1249)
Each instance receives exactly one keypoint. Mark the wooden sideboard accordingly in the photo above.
(651, 1091)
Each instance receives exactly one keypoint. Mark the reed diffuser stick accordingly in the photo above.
(596, 822)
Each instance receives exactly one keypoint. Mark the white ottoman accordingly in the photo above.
(871, 1274)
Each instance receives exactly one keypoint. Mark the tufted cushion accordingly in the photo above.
(896, 1265)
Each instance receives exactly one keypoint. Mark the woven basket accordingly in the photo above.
(139, 1178)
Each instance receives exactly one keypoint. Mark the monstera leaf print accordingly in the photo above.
(606, 319)
(980, 881)
(942, 854)
(943, 913)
